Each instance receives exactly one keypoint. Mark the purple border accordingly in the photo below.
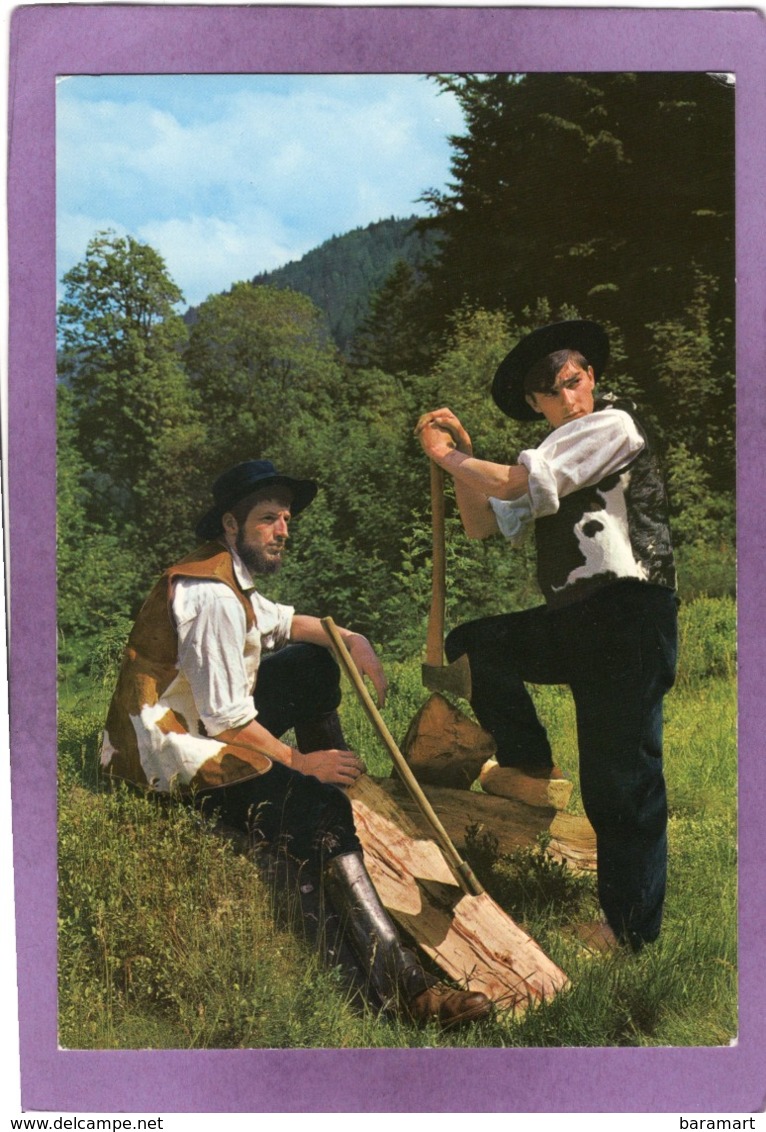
(71, 39)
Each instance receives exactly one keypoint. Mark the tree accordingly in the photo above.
(390, 336)
(263, 372)
(133, 422)
(605, 192)
(98, 575)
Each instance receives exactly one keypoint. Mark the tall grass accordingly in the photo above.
(168, 939)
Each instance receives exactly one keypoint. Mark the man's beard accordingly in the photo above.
(255, 559)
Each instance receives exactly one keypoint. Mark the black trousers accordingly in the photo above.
(617, 651)
(284, 809)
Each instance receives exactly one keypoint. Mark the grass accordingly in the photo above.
(167, 937)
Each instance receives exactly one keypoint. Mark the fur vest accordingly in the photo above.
(615, 529)
(147, 742)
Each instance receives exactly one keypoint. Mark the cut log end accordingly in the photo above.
(444, 747)
(510, 782)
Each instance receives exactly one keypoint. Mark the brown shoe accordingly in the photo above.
(448, 1007)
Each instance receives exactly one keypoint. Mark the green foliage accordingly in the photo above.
(79, 741)
(262, 371)
(342, 274)
(99, 575)
(389, 338)
(692, 389)
(130, 442)
(603, 191)
(702, 522)
(180, 941)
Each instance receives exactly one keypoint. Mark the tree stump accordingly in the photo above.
(469, 937)
(444, 747)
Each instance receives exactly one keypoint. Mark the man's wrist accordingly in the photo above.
(293, 758)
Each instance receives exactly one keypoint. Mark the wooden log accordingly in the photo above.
(512, 782)
(515, 825)
(469, 937)
(444, 747)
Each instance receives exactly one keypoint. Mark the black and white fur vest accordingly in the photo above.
(614, 530)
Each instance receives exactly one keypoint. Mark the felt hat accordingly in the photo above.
(242, 480)
(588, 338)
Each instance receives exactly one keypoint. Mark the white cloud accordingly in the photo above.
(251, 175)
(210, 253)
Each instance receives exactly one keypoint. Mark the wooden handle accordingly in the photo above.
(435, 632)
(461, 870)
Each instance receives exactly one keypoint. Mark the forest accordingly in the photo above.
(603, 196)
(599, 196)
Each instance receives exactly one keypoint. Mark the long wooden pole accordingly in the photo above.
(461, 869)
(435, 632)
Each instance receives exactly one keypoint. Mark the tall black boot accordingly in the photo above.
(323, 733)
(395, 975)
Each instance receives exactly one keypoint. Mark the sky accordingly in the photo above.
(230, 175)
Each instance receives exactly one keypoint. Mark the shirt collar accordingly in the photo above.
(241, 573)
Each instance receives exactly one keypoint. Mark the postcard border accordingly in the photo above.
(74, 39)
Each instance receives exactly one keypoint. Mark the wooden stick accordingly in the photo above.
(435, 632)
(460, 868)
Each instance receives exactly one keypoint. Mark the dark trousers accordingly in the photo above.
(617, 651)
(284, 809)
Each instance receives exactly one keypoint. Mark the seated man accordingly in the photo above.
(214, 673)
(594, 495)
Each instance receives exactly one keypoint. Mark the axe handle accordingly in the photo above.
(435, 632)
(461, 870)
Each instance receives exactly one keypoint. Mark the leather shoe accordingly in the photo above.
(448, 1007)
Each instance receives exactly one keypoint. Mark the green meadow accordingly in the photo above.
(168, 938)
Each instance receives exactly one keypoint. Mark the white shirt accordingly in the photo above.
(218, 657)
(573, 456)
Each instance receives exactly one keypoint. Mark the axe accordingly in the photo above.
(438, 676)
(461, 870)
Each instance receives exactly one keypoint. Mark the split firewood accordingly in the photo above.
(470, 938)
(444, 747)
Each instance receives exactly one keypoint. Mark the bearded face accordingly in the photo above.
(260, 540)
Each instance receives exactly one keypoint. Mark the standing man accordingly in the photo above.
(594, 494)
(214, 673)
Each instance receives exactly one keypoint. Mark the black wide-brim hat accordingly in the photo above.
(588, 338)
(242, 480)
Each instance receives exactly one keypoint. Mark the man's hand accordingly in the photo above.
(305, 628)
(440, 432)
(366, 660)
(340, 768)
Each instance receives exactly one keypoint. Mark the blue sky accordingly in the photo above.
(229, 175)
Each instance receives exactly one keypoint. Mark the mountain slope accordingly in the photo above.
(342, 274)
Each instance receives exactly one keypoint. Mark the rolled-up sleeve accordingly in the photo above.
(578, 455)
(514, 517)
(211, 654)
(274, 622)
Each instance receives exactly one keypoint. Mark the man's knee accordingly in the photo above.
(461, 640)
(296, 684)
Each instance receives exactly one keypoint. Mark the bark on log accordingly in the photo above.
(444, 747)
(515, 825)
(469, 937)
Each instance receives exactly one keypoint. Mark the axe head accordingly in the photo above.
(454, 678)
